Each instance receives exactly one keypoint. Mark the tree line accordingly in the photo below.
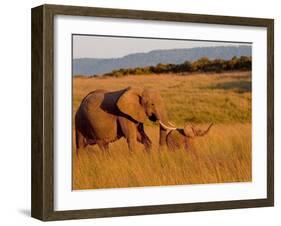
(201, 65)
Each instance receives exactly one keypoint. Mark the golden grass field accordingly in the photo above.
(224, 155)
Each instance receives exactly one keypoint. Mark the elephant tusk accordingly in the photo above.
(167, 127)
(171, 124)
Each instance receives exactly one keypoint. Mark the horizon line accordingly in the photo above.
(166, 49)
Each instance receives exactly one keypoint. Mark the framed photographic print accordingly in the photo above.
(141, 112)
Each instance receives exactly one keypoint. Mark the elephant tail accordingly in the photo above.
(77, 141)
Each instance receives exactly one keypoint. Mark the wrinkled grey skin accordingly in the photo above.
(182, 138)
(104, 117)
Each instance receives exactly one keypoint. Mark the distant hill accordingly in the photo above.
(92, 66)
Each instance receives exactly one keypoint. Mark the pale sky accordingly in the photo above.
(85, 46)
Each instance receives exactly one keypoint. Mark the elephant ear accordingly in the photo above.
(188, 131)
(129, 103)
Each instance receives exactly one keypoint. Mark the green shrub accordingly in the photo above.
(203, 64)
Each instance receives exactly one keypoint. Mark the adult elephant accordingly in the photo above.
(104, 117)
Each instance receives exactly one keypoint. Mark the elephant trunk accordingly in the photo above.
(164, 125)
(203, 133)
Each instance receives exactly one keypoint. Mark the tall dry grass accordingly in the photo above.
(224, 155)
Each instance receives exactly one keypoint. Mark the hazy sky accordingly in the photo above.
(113, 47)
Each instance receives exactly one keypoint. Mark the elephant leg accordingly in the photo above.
(129, 130)
(143, 138)
(145, 141)
(162, 138)
(103, 146)
(132, 143)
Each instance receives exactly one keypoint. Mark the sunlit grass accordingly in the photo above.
(224, 155)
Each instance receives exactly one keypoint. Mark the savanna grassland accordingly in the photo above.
(224, 155)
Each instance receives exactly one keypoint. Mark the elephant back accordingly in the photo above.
(98, 92)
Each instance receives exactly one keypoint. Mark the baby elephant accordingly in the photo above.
(181, 138)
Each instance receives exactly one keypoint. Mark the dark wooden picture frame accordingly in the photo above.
(42, 203)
